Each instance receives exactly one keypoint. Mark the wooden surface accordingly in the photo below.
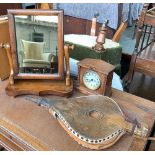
(145, 62)
(143, 86)
(150, 17)
(38, 122)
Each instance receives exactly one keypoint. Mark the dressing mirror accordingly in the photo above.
(37, 48)
(37, 52)
(37, 43)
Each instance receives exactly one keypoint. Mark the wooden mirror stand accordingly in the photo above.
(31, 74)
(34, 86)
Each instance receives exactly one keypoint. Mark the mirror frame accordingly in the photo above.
(12, 31)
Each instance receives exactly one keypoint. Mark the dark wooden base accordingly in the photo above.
(39, 87)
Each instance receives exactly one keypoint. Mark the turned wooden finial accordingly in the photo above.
(101, 38)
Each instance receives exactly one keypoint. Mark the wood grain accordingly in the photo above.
(39, 123)
(19, 137)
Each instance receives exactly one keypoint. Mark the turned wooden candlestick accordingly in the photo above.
(100, 40)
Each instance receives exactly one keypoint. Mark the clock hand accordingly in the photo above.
(88, 80)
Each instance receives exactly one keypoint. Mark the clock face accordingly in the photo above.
(91, 80)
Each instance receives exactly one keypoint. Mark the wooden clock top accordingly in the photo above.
(97, 64)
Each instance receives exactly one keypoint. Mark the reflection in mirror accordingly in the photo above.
(37, 44)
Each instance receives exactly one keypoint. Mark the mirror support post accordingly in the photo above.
(66, 51)
(6, 46)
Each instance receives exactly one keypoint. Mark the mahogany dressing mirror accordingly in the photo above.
(37, 53)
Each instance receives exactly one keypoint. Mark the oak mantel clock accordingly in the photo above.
(95, 77)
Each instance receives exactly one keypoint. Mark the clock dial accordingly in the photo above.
(91, 80)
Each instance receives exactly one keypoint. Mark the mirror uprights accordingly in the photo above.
(66, 51)
(37, 53)
(6, 46)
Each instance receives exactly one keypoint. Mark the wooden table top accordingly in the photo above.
(35, 124)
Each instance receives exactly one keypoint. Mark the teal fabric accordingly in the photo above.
(111, 54)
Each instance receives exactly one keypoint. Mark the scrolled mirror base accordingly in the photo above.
(39, 87)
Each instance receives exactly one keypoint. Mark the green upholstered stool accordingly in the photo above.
(83, 49)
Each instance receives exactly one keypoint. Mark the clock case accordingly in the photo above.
(103, 69)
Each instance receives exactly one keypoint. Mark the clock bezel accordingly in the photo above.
(84, 82)
(84, 89)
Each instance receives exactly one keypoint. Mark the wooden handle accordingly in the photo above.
(151, 138)
(6, 46)
(66, 51)
(146, 138)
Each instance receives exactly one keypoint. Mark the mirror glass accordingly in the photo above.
(37, 43)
